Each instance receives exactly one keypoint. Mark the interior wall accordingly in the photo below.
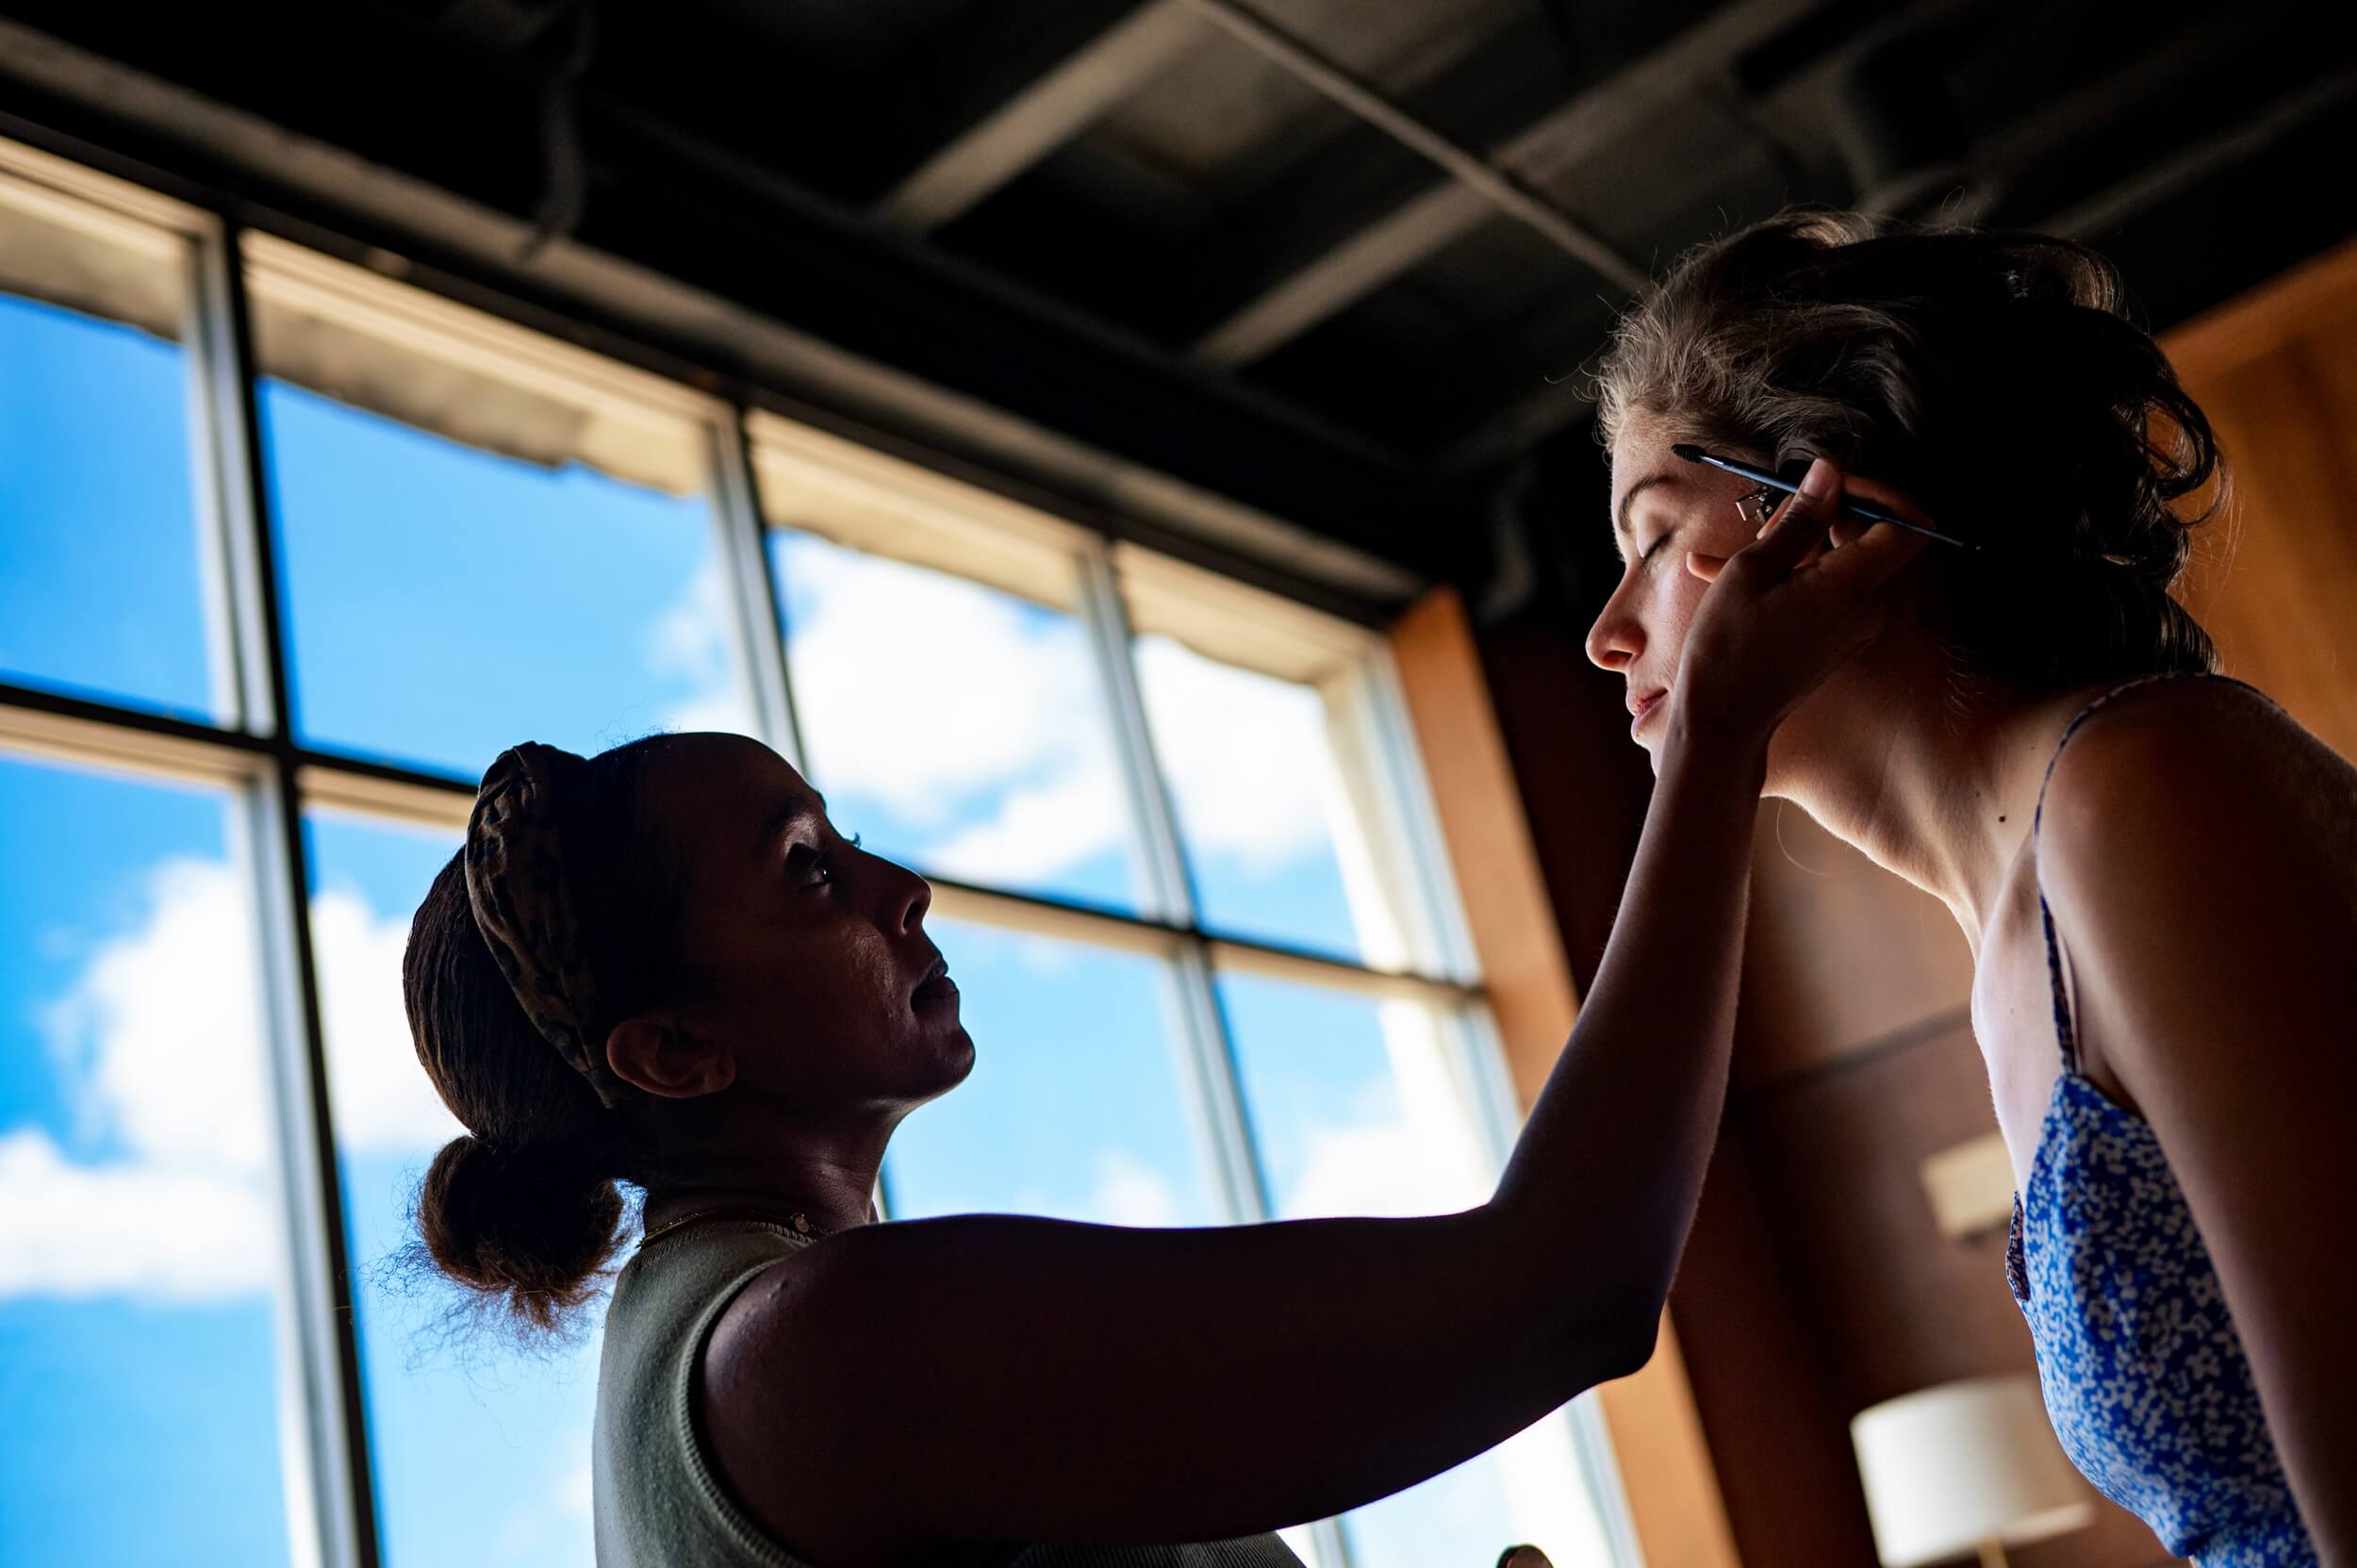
(1817, 1282)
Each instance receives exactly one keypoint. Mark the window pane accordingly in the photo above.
(100, 586)
(481, 1452)
(959, 728)
(1075, 1108)
(1355, 1104)
(1253, 782)
(1358, 1107)
(140, 1259)
(483, 543)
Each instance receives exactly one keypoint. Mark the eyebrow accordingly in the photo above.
(793, 813)
(1621, 523)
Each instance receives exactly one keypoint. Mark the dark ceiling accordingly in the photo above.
(1195, 232)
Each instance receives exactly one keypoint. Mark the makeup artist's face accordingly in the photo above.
(812, 965)
(1663, 509)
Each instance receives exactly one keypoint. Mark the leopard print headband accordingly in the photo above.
(523, 905)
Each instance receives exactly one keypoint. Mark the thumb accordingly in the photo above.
(1705, 567)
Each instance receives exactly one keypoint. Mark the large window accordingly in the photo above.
(290, 548)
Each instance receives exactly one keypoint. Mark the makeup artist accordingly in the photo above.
(663, 967)
(2156, 867)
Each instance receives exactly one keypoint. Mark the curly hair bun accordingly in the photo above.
(528, 1228)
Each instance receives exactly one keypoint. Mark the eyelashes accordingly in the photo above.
(815, 867)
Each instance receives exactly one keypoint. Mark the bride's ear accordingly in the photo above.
(657, 1055)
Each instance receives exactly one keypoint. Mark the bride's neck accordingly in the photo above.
(1940, 789)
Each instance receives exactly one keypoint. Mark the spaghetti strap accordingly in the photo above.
(2066, 1033)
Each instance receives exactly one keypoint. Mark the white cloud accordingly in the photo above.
(945, 701)
(1130, 1192)
(382, 1100)
(1246, 754)
(1383, 1162)
(921, 692)
(1123, 1190)
(694, 641)
(1374, 1168)
(1038, 829)
(185, 1232)
(160, 1042)
(160, 1036)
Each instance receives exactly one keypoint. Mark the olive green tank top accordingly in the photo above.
(657, 1501)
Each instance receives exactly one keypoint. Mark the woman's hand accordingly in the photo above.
(1783, 612)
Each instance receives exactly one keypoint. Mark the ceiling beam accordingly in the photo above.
(2172, 172)
(1500, 188)
(1358, 263)
(1358, 266)
(1543, 410)
(1041, 117)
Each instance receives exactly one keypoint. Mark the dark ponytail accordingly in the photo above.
(532, 1229)
(1993, 377)
(525, 1210)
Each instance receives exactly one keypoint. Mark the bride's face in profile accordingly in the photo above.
(1663, 510)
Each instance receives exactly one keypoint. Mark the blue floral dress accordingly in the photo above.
(2144, 1373)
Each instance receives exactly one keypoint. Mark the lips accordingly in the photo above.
(1640, 706)
(937, 988)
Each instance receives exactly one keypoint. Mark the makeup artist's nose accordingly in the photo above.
(1616, 639)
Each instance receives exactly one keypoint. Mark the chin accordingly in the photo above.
(956, 1064)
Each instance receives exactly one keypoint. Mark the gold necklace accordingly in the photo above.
(797, 1222)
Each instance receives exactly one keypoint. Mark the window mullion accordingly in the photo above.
(341, 1503)
(753, 591)
(244, 629)
(1171, 895)
(1214, 1091)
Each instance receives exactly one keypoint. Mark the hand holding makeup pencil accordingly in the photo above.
(1809, 591)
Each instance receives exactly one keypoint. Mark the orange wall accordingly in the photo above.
(2277, 585)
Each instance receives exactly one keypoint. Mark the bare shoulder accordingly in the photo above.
(2198, 772)
(768, 1397)
(2198, 856)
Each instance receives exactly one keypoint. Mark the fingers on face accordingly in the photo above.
(1799, 526)
(1864, 567)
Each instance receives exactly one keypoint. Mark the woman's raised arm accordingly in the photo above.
(1001, 1378)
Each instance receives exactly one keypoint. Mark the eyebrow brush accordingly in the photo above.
(1860, 509)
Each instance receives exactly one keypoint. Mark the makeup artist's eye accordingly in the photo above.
(813, 867)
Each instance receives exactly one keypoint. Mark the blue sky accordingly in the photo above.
(445, 602)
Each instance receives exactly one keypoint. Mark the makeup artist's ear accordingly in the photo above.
(661, 1057)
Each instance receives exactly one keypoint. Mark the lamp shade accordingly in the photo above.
(1950, 1467)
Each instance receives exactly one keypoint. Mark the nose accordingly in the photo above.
(1616, 638)
(911, 896)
